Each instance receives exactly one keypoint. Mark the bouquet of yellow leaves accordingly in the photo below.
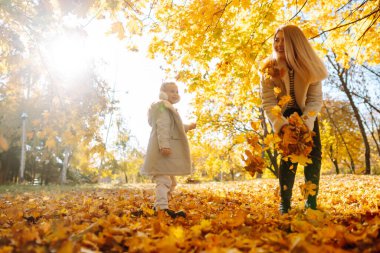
(297, 141)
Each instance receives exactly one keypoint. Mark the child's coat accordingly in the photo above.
(168, 131)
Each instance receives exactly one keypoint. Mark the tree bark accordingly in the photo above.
(63, 175)
(334, 160)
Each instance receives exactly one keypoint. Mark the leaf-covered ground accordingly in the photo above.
(221, 217)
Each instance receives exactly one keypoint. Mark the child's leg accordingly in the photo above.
(172, 187)
(163, 185)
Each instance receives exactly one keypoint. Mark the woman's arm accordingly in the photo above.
(269, 101)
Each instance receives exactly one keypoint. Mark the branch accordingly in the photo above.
(366, 100)
(295, 15)
(372, 71)
(217, 12)
(347, 24)
(340, 8)
(369, 26)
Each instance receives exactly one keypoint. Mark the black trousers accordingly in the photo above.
(311, 171)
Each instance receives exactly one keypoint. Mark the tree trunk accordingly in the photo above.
(372, 131)
(232, 173)
(335, 162)
(333, 159)
(24, 116)
(126, 177)
(63, 175)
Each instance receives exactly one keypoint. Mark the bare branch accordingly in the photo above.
(366, 100)
(370, 70)
(295, 15)
(347, 24)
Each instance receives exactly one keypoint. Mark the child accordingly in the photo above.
(168, 152)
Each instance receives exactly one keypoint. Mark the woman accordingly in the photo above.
(294, 70)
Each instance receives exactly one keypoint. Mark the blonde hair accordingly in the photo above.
(164, 84)
(301, 56)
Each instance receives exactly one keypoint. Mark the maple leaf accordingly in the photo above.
(284, 100)
(308, 189)
(311, 114)
(277, 91)
(276, 110)
(3, 143)
(300, 159)
(50, 143)
(118, 29)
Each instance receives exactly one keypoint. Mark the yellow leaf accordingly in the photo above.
(177, 233)
(311, 114)
(300, 159)
(3, 143)
(50, 143)
(67, 247)
(239, 138)
(118, 29)
(276, 110)
(308, 189)
(284, 100)
(277, 90)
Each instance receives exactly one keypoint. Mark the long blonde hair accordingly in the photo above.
(301, 56)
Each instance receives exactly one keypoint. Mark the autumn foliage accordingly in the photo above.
(221, 217)
(296, 142)
(254, 162)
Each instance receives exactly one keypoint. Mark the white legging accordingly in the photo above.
(164, 188)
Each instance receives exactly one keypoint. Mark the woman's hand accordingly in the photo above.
(165, 151)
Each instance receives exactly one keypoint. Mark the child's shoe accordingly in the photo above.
(137, 213)
(173, 214)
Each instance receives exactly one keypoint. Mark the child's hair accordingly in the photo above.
(301, 56)
(163, 95)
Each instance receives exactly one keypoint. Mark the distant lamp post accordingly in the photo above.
(24, 116)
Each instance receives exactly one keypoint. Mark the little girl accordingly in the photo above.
(168, 152)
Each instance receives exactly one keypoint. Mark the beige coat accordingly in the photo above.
(168, 131)
(308, 97)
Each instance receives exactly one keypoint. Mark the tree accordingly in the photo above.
(219, 46)
(62, 121)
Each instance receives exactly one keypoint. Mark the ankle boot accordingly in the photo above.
(284, 207)
(311, 202)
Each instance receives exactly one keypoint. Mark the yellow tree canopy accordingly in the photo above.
(215, 48)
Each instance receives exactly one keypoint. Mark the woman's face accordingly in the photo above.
(279, 45)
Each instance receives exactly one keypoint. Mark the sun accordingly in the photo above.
(67, 57)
